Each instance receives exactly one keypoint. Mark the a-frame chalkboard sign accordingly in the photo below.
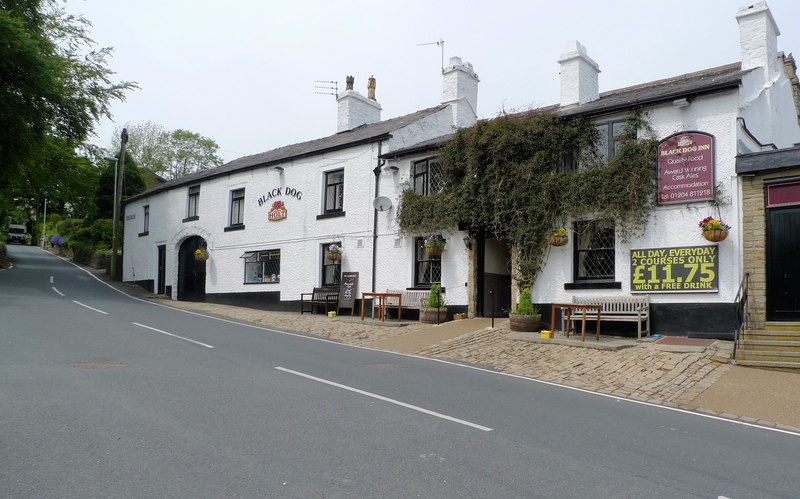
(347, 292)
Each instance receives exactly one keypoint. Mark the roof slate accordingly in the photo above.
(683, 86)
(358, 135)
(687, 85)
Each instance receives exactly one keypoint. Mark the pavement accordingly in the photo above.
(690, 374)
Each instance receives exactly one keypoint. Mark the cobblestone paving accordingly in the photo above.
(346, 330)
(642, 372)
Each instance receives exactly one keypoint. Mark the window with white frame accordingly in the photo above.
(334, 192)
(237, 208)
(427, 176)
(427, 267)
(262, 266)
(594, 255)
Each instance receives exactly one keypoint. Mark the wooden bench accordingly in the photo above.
(411, 299)
(320, 296)
(616, 308)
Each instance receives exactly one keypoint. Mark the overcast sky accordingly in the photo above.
(242, 72)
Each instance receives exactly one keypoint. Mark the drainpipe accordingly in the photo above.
(377, 172)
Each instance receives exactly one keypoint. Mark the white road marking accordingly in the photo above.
(386, 399)
(173, 335)
(51, 279)
(57, 291)
(87, 306)
(432, 359)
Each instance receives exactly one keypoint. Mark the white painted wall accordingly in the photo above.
(301, 235)
(673, 225)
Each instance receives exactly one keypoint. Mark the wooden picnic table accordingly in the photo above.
(381, 297)
(574, 306)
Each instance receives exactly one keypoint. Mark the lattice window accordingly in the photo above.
(331, 269)
(428, 176)
(262, 266)
(594, 250)
(427, 268)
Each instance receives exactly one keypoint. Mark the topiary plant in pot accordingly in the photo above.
(435, 310)
(527, 316)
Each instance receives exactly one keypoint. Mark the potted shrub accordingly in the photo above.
(558, 237)
(435, 310)
(714, 230)
(334, 252)
(435, 244)
(527, 316)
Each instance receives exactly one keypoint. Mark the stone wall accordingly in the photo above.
(754, 240)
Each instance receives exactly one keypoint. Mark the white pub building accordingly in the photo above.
(266, 220)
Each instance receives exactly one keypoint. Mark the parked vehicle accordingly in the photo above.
(16, 233)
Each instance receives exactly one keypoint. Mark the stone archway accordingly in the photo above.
(191, 272)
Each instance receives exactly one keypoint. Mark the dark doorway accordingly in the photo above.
(783, 265)
(191, 272)
(494, 277)
(162, 270)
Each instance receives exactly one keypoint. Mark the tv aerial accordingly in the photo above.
(325, 87)
(440, 43)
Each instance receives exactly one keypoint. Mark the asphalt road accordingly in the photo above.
(104, 395)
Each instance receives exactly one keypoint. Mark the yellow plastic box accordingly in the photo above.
(547, 334)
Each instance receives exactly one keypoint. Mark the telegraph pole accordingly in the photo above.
(116, 266)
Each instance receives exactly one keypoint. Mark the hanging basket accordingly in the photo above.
(333, 256)
(201, 257)
(557, 241)
(435, 250)
(715, 236)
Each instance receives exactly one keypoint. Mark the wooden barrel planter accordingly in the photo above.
(429, 315)
(524, 323)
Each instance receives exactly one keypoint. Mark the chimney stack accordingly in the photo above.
(758, 38)
(579, 76)
(354, 109)
(461, 92)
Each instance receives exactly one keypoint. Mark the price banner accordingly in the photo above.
(670, 270)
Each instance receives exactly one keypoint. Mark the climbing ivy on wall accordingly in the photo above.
(505, 178)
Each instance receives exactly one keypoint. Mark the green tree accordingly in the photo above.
(132, 184)
(148, 143)
(191, 152)
(168, 154)
(53, 87)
